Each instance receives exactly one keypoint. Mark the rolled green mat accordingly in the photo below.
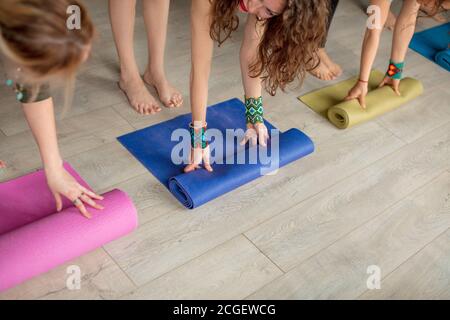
(344, 114)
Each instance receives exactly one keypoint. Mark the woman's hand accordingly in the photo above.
(199, 155)
(61, 183)
(393, 83)
(359, 92)
(256, 133)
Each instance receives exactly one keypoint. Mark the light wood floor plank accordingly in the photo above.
(229, 271)
(340, 271)
(293, 236)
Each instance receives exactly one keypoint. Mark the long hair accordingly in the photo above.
(34, 36)
(289, 44)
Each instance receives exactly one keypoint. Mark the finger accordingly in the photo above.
(245, 140)
(395, 86)
(382, 84)
(59, 204)
(362, 101)
(80, 206)
(262, 137)
(254, 139)
(191, 167)
(206, 162)
(91, 194)
(91, 202)
(349, 97)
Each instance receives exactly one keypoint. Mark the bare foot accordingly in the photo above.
(139, 97)
(335, 69)
(390, 21)
(168, 95)
(2, 164)
(322, 71)
(438, 16)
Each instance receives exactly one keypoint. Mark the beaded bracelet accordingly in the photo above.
(254, 110)
(395, 70)
(198, 136)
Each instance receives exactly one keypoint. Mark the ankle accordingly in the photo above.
(155, 74)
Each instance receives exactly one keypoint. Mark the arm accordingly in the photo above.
(248, 54)
(369, 51)
(202, 51)
(252, 86)
(372, 39)
(201, 54)
(40, 117)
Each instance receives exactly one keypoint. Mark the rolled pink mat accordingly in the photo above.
(34, 238)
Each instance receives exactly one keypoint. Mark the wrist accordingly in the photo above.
(53, 164)
(254, 110)
(395, 70)
(197, 130)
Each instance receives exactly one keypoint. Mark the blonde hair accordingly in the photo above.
(34, 36)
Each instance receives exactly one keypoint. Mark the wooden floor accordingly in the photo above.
(377, 194)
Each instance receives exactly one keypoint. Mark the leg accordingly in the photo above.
(436, 14)
(156, 14)
(327, 68)
(391, 20)
(122, 15)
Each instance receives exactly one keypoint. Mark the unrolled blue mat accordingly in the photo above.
(153, 147)
(433, 44)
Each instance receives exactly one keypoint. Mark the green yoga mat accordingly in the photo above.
(343, 114)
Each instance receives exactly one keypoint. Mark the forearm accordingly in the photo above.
(248, 55)
(404, 30)
(372, 38)
(202, 51)
(41, 119)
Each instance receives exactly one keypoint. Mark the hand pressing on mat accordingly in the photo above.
(61, 183)
(199, 155)
(393, 83)
(256, 133)
(359, 92)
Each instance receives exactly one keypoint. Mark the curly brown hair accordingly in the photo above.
(289, 43)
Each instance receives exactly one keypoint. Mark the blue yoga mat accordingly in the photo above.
(433, 44)
(153, 147)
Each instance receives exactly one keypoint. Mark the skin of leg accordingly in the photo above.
(322, 71)
(156, 15)
(122, 15)
(327, 69)
(201, 55)
(427, 8)
(252, 86)
(391, 20)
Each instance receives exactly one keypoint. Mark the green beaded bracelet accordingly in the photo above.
(254, 110)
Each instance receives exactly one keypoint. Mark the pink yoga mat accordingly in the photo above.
(34, 238)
